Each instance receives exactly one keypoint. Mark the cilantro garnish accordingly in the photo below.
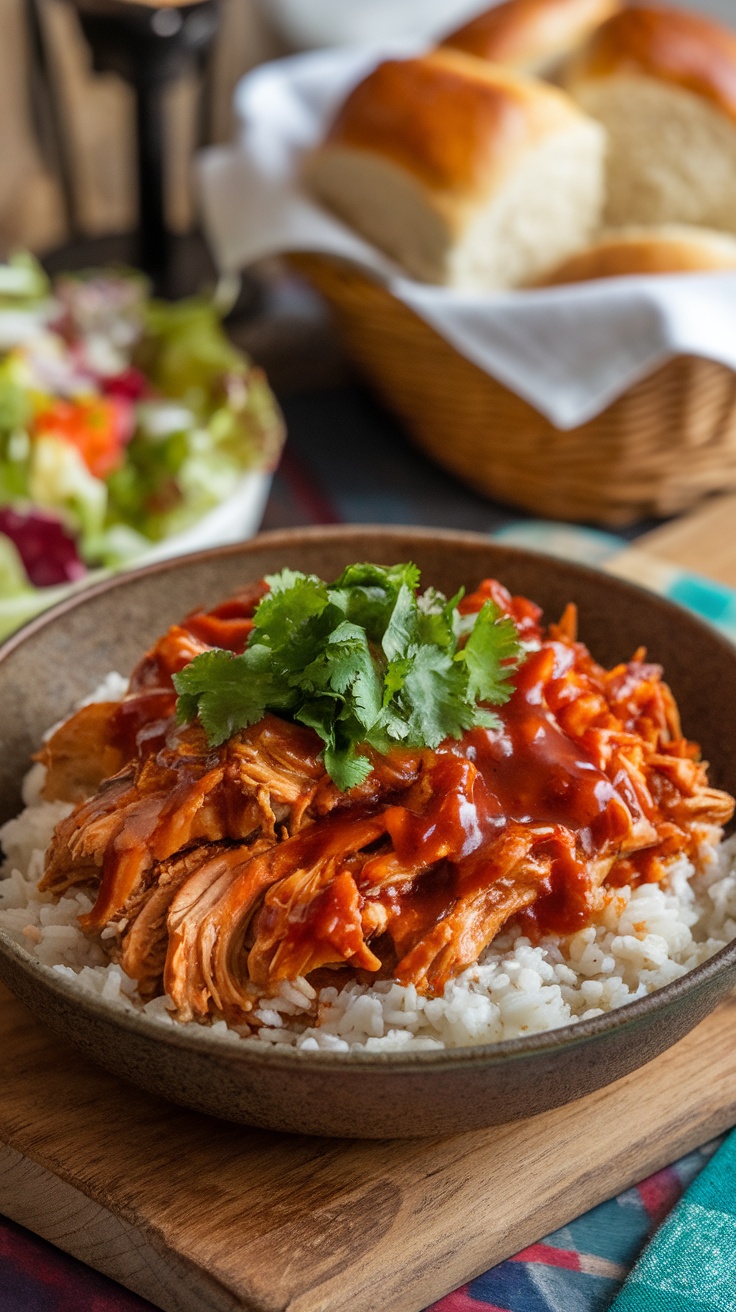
(363, 661)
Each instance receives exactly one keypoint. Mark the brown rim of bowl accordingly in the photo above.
(563, 1037)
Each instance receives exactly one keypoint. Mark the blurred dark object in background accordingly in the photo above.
(149, 48)
(94, 115)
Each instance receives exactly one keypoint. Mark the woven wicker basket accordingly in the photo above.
(659, 448)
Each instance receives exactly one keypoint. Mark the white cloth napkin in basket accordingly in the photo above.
(569, 351)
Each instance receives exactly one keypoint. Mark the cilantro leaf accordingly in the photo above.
(293, 598)
(491, 655)
(389, 578)
(435, 690)
(187, 706)
(346, 767)
(346, 666)
(365, 662)
(318, 713)
(225, 700)
(402, 625)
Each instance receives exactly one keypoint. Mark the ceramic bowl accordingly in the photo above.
(61, 655)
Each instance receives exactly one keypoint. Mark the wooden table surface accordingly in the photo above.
(200, 1216)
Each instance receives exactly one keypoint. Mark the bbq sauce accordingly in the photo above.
(529, 773)
(525, 788)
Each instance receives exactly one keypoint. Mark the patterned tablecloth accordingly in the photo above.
(346, 462)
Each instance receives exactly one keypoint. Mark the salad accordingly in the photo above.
(123, 421)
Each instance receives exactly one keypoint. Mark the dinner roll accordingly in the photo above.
(669, 248)
(663, 83)
(466, 173)
(531, 36)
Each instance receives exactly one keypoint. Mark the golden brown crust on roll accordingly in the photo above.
(454, 122)
(463, 172)
(670, 248)
(530, 35)
(667, 45)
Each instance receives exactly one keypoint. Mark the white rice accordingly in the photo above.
(644, 938)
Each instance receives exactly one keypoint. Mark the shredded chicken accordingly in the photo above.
(220, 873)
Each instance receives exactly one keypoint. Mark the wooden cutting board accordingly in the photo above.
(199, 1216)
(703, 541)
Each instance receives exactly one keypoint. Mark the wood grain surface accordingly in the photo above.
(200, 1216)
(704, 540)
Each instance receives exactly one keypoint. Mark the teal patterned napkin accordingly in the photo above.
(690, 1265)
(712, 601)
